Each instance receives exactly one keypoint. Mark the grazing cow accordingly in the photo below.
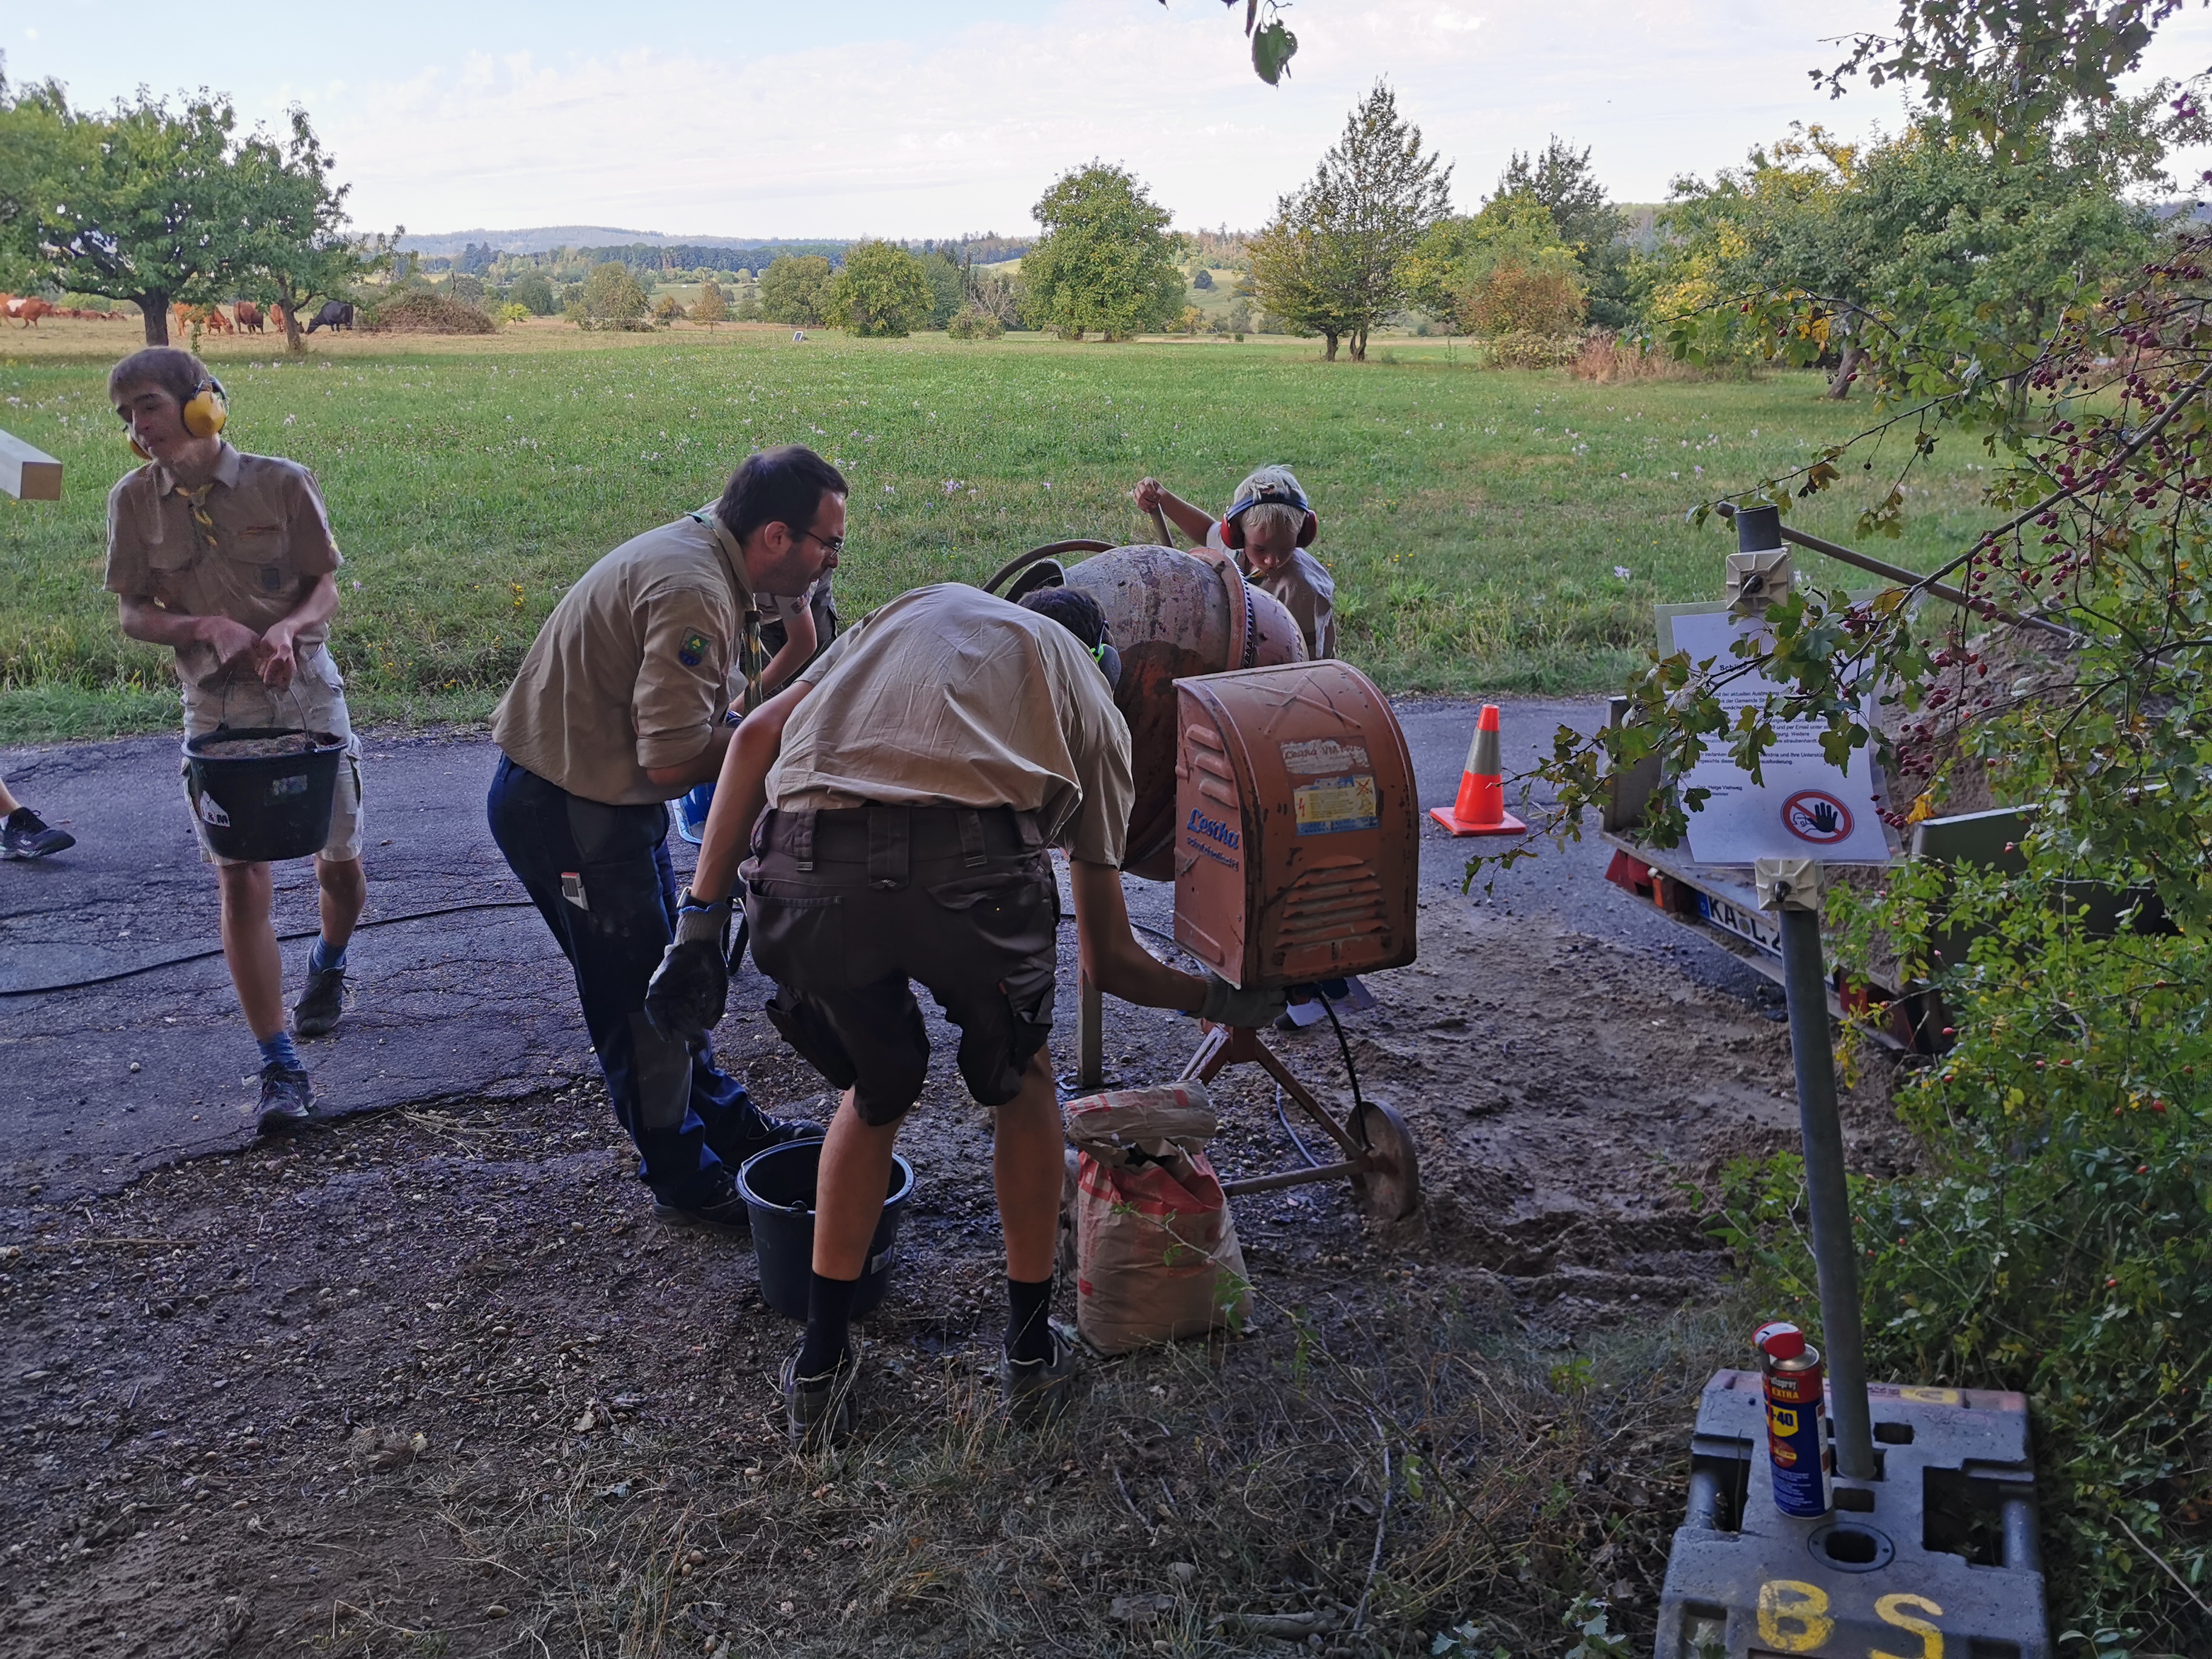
(335, 314)
(183, 313)
(248, 315)
(27, 310)
(217, 322)
(276, 319)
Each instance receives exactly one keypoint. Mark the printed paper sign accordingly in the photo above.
(1335, 804)
(1807, 808)
(1323, 758)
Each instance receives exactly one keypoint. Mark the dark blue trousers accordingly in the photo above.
(600, 877)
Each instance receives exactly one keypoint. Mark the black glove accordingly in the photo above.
(689, 991)
(1226, 1004)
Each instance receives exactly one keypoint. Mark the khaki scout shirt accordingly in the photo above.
(270, 544)
(635, 666)
(948, 696)
(1306, 589)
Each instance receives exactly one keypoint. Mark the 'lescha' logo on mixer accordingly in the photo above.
(1816, 816)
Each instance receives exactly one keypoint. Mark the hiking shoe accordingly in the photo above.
(1038, 1390)
(25, 834)
(287, 1099)
(819, 1411)
(321, 1004)
(718, 1210)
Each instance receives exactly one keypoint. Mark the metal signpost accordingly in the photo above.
(1928, 1547)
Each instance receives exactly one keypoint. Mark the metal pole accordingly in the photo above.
(1806, 982)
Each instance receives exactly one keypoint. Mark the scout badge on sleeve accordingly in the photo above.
(693, 651)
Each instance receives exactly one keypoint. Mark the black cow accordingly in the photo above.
(335, 313)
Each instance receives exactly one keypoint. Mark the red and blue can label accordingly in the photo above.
(1795, 1445)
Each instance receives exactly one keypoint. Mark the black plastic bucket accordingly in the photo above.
(259, 808)
(778, 1188)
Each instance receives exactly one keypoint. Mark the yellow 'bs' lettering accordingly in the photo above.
(1793, 1616)
(1891, 1610)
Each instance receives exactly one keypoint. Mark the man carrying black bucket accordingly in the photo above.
(227, 559)
(625, 701)
(913, 777)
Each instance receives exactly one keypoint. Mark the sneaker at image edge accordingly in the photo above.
(287, 1099)
(819, 1411)
(25, 834)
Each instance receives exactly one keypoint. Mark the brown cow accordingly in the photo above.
(277, 318)
(27, 310)
(217, 322)
(248, 315)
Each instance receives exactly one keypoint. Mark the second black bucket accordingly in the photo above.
(778, 1188)
(264, 793)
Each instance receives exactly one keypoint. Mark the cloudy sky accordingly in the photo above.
(911, 118)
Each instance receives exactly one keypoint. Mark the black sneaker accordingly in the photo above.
(767, 1132)
(819, 1411)
(287, 1099)
(322, 1004)
(1038, 1390)
(719, 1210)
(25, 834)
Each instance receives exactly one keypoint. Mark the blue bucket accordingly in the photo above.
(778, 1187)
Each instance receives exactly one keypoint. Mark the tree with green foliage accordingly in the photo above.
(793, 290)
(1898, 232)
(1561, 178)
(1106, 262)
(612, 297)
(534, 290)
(290, 222)
(1334, 258)
(881, 293)
(711, 306)
(948, 287)
(140, 203)
(1506, 270)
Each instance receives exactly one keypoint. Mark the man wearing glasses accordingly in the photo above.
(628, 699)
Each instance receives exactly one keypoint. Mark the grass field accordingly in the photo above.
(1487, 529)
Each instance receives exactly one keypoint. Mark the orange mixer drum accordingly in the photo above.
(1170, 616)
(1296, 847)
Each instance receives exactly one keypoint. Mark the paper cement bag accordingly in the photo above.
(1156, 1253)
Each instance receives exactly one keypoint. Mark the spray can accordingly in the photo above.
(1790, 1368)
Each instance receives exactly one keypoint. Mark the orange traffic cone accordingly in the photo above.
(1480, 808)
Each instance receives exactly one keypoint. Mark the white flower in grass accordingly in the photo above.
(1622, 571)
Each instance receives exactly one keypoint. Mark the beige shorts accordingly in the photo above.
(315, 702)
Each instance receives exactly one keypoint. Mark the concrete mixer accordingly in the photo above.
(1176, 616)
(1173, 615)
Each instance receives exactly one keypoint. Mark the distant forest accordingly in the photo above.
(477, 259)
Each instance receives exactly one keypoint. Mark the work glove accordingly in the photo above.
(689, 991)
(1226, 1004)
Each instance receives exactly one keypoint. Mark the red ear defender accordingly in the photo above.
(1232, 526)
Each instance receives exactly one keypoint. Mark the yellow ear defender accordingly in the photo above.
(204, 413)
(206, 410)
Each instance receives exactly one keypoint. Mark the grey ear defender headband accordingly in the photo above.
(1110, 662)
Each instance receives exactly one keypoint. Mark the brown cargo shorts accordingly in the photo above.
(850, 909)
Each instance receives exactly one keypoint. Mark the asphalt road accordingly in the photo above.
(100, 1081)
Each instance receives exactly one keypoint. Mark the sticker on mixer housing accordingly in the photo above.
(1323, 757)
(1329, 804)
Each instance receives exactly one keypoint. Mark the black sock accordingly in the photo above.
(829, 1324)
(1029, 1329)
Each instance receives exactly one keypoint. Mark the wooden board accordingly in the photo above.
(29, 474)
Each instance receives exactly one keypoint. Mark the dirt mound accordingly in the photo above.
(425, 313)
